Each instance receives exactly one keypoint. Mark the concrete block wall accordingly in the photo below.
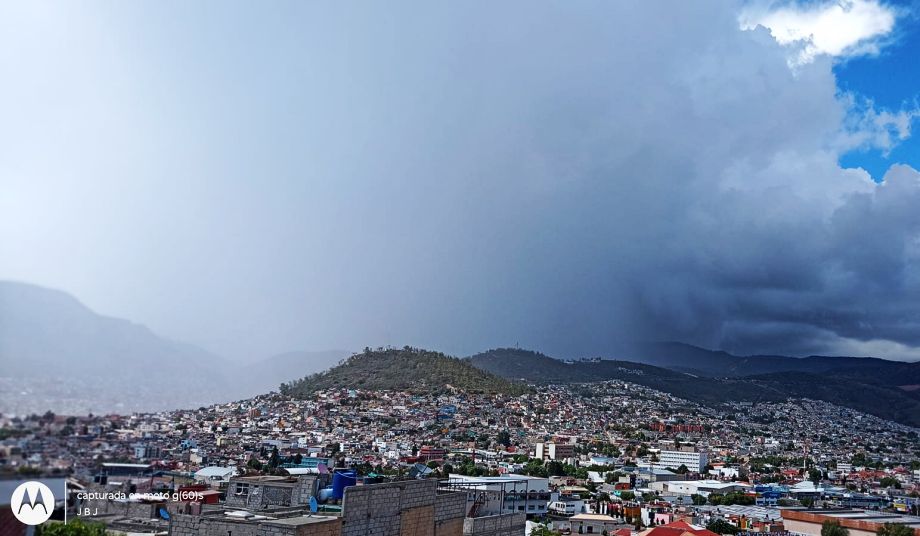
(268, 495)
(186, 525)
(498, 525)
(418, 521)
(450, 505)
(330, 527)
(449, 527)
(410, 508)
(234, 500)
(449, 511)
(262, 495)
(99, 507)
(307, 486)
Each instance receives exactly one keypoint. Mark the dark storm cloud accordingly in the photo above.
(459, 177)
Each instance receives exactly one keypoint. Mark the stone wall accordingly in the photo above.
(498, 525)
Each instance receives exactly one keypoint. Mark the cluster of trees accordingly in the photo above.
(76, 527)
(890, 482)
(720, 526)
(534, 467)
(734, 497)
(682, 470)
(271, 466)
(833, 528)
(466, 467)
(600, 447)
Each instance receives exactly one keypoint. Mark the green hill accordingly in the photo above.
(406, 369)
(856, 393)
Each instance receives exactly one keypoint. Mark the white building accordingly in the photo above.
(694, 460)
(698, 487)
(214, 475)
(592, 524)
(493, 495)
(567, 507)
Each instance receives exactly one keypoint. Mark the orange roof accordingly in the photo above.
(680, 524)
(678, 528)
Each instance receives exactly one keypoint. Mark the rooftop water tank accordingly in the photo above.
(341, 480)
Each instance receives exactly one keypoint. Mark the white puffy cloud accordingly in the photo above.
(840, 28)
(868, 126)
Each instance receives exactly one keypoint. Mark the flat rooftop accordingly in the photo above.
(263, 479)
(300, 520)
(859, 515)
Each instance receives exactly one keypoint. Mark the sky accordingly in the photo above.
(566, 177)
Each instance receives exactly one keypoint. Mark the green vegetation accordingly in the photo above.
(720, 526)
(894, 529)
(890, 482)
(73, 528)
(406, 369)
(543, 530)
(833, 528)
(6, 433)
(735, 497)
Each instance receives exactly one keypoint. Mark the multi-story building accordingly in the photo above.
(493, 495)
(432, 453)
(554, 451)
(692, 459)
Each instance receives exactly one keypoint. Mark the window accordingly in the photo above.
(242, 488)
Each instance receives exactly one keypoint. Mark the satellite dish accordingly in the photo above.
(164, 514)
(314, 506)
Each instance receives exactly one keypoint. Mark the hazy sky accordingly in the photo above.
(263, 177)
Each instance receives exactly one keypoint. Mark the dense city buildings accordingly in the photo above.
(577, 458)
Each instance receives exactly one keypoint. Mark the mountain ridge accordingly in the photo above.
(57, 354)
(719, 363)
(884, 401)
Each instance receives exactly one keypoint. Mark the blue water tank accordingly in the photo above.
(341, 480)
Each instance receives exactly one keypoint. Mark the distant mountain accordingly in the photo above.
(534, 367)
(716, 363)
(60, 355)
(863, 395)
(406, 369)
